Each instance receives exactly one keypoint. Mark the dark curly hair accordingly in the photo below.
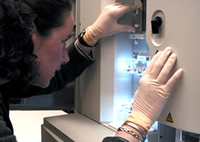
(17, 61)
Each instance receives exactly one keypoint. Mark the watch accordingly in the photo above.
(81, 40)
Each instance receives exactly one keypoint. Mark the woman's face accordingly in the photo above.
(51, 50)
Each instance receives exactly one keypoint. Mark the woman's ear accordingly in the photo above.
(35, 36)
(33, 29)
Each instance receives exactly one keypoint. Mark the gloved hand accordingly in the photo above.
(107, 25)
(154, 89)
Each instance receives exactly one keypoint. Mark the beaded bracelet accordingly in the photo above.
(124, 129)
(142, 132)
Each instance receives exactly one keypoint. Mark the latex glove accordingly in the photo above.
(107, 25)
(154, 89)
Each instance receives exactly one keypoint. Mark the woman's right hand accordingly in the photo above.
(154, 89)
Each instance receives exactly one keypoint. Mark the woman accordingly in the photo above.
(33, 57)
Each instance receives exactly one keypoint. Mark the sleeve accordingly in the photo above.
(79, 61)
(114, 139)
(6, 134)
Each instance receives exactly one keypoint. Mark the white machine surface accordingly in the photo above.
(180, 30)
(73, 128)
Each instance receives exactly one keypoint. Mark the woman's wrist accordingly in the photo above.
(138, 128)
(92, 35)
(85, 48)
(129, 134)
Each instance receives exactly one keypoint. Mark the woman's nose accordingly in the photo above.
(65, 58)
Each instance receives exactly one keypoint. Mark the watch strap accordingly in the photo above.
(82, 41)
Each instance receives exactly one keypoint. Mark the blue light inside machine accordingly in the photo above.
(141, 56)
(136, 65)
(125, 106)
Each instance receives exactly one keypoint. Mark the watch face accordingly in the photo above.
(82, 33)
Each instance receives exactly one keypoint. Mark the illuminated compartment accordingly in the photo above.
(141, 58)
(131, 70)
(107, 87)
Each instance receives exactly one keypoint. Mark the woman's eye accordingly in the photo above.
(67, 39)
(64, 41)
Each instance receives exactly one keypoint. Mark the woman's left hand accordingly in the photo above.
(107, 25)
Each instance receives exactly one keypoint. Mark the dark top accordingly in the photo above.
(79, 61)
(114, 139)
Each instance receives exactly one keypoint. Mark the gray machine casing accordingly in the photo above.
(180, 30)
